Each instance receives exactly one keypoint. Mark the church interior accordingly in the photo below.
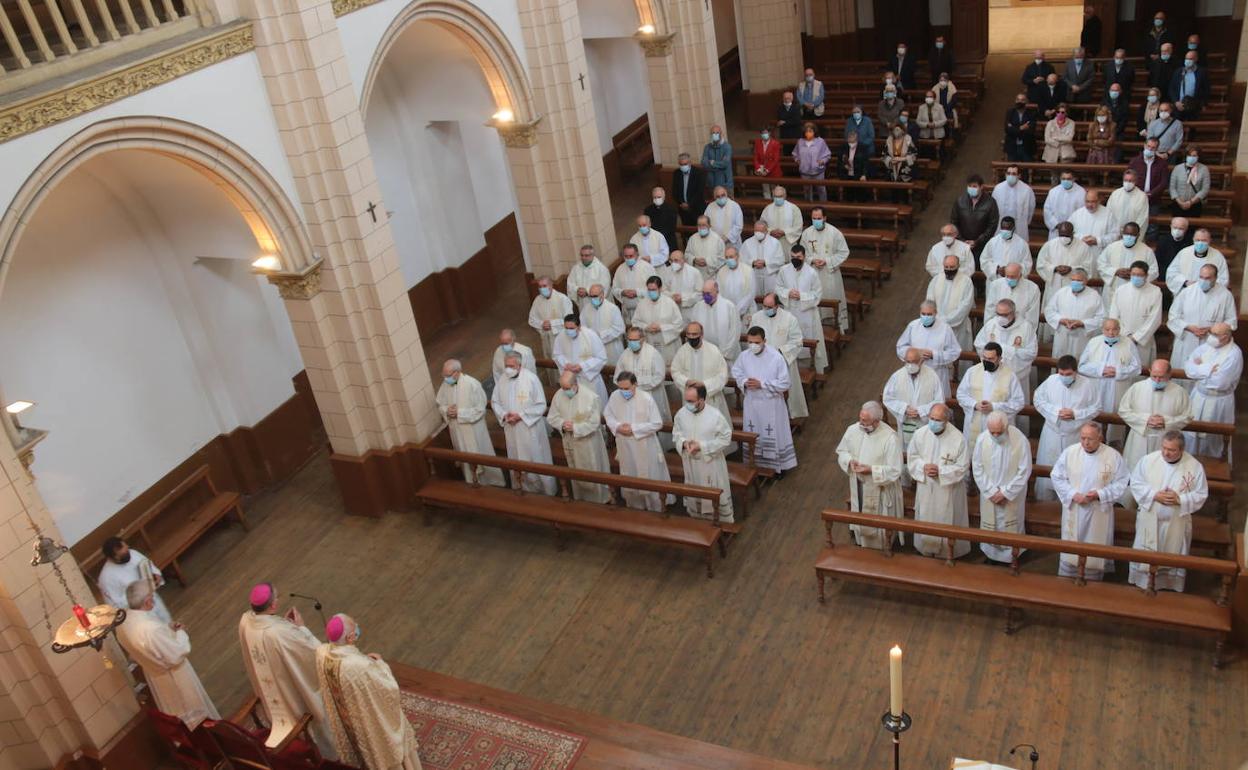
(326, 460)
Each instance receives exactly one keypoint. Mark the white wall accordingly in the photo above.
(136, 351)
(618, 80)
(443, 173)
(607, 18)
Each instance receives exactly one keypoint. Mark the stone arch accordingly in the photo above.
(652, 12)
(499, 62)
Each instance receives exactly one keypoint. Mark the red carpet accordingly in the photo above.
(457, 737)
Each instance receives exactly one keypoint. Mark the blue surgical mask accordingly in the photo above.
(731, 263)
(1158, 23)
(939, 45)
(1114, 94)
(857, 117)
(1012, 282)
(1200, 247)
(1191, 46)
(692, 406)
(595, 301)
(644, 229)
(508, 347)
(570, 332)
(1067, 379)
(630, 261)
(1205, 284)
(1158, 385)
(627, 395)
(1137, 281)
(685, 168)
(936, 426)
(972, 191)
(927, 320)
(1149, 153)
(1165, 57)
(1067, 184)
(765, 135)
(653, 295)
(1189, 63)
(634, 345)
(770, 311)
(1129, 240)
(1152, 98)
(704, 231)
(721, 200)
(1007, 234)
(450, 380)
(1076, 286)
(569, 392)
(817, 223)
(715, 136)
(1079, 62)
(1011, 179)
(544, 291)
(358, 633)
(1191, 160)
(1111, 341)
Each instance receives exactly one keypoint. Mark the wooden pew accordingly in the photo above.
(1015, 588)
(633, 147)
(175, 522)
(445, 489)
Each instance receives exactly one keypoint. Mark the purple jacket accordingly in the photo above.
(812, 157)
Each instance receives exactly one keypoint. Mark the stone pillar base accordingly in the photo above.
(380, 481)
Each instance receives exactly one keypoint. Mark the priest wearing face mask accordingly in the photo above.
(1015, 199)
(461, 402)
(935, 341)
(1002, 249)
(802, 289)
(507, 344)
(576, 417)
(736, 282)
(659, 318)
(763, 375)
(1170, 486)
(587, 271)
(1022, 291)
(782, 328)
(699, 361)
(1196, 310)
(1129, 203)
(642, 359)
(1074, 315)
(629, 284)
(938, 462)
(580, 351)
(1059, 257)
(1172, 241)
(682, 283)
(1187, 265)
(946, 246)
(688, 190)
(1001, 466)
(909, 396)
(705, 249)
(546, 314)
(602, 316)
(1151, 407)
(519, 404)
(1094, 224)
(1116, 259)
(1137, 306)
(1016, 336)
(954, 295)
(784, 218)
(725, 218)
(1088, 478)
(1214, 369)
(1062, 200)
(827, 250)
(720, 321)
(988, 386)
(1112, 363)
(870, 454)
(1067, 402)
(651, 244)
(633, 418)
(975, 215)
(702, 435)
(663, 217)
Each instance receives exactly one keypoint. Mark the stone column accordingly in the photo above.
(771, 45)
(351, 314)
(556, 164)
(51, 705)
(686, 97)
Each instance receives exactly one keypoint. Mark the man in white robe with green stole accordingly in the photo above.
(641, 358)
(629, 283)
(909, 395)
(763, 376)
(363, 702)
(546, 314)
(1112, 361)
(1001, 466)
(580, 351)
(658, 316)
(633, 419)
(700, 361)
(603, 316)
(519, 404)
(987, 387)
(938, 463)
(588, 271)
(702, 435)
(682, 283)
(1066, 401)
(1214, 369)
(870, 453)
(1088, 478)
(827, 250)
(1169, 485)
(576, 414)
(785, 334)
(462, 404)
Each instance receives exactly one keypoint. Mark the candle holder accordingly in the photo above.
(896, 724)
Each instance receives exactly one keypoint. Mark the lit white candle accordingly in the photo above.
(894, 681)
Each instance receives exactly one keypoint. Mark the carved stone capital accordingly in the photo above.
(342, 7)
(302, 285)
(518, 134)
(655, 45)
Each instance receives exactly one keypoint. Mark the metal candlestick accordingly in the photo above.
(896, 724)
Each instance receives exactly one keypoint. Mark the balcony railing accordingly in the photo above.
(38, 33)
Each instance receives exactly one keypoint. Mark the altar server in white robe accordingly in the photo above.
(802, 289)
(762, 373)
(954, 295)
(1187, 265)
(1001, 465)
(1016, 287)
(642, 359)
(279, 653)
(700, 361)
(1196, 308)
(1214, 369)
(721, 323)
(785, 334)
(784, 218)
(629, 283)
(682, 283)
(578, 350)
(765, 254)
(588, 270)
(1067, 402)
(462, 404)
(702, 435)
(658, 316)
(909, 395)
(1074, 315)
(1114, 263)
(546, 314)
(576, 415)
(949, 245)
(1002, 249)
(363, 702)
(519, 404)
(1150, 408)
(1016, 199)
(1137, 306)
(1112, 362)
(1062, 200)
(870, 454)
(605, 319)
(1094, 224)
(633, 418)
(1129, 203)
(1170, 486)
(987, 387)
(651, 244)
(938, 462)
(935, 341)
(736, 284)
(705, 249)
(1059, 256)
(725, 217)
(1017, 338)
(507, 344)
(1088, 477)
(162, 649)
(827, 250)
(124, 565)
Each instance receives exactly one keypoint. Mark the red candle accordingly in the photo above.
(81, 614)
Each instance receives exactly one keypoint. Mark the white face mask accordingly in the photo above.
(1102, 118)
(1164, 114)
(1176, 233)
(913, 368)
(756, 348)
(947, 240)
(658, 201)
(511, 371)
(1214, 342)
(1128, 186)
(1065, 239)
(760, 237)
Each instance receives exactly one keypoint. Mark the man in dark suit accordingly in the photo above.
(789, 117)
(1035, 74)
(688, 190)
(1020, 131)
(940, 59)
(1170, 241)
(1157, 36)
(1053, 93)
(1161, 69)
(1079, 75)
(902, 63)
(662, 216)
(1120, 71)
(1189, 88)
(1090, 37)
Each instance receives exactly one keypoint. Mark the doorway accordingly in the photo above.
(1016, 26)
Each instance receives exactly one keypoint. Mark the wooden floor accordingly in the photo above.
(748, 660)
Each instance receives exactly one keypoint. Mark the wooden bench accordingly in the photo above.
(449, 491)
(1015, 589)
(633, 147)
(175, 522)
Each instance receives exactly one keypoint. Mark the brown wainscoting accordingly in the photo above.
(136, 747)
(383, 481)
(245, 460)
(611, 168)
(821, 51)
(760, 110)
(1239, 203)
(462, 292)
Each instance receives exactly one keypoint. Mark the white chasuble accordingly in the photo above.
(1054, 255)
(664, 314)
(647, 364)
(826, 251)
(608, 323)
(705, 252)
(582, 278)
(281, 663)
(1081, 398)
(1113, 367)
(940, 499)
(1117, 256)
(737, 286)
(549, 310)
(630, 280)
(911, 391)
(528, 438)
(468, 430)
(1078, 472)
(937, 338)
(639, 454)
(1143, 400)
(707, 466)
(583, 445)
(1086, 308)
(498, 363)
(765, 409)
(878, 490)
(1163, 528)
(805, 308)
(771, 254)
(1138, 311)
(1018, 346)
(999, 388)
(1194, 307)
(1002, 467)
(586, 351)
(954, 300)
(365, 710)
(163, 654)
(683, 286)
(1215, 372)
(721, 326)
(706, 365)
(786, 216)
(785, 334)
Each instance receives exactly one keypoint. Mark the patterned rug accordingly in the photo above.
(457, 737)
